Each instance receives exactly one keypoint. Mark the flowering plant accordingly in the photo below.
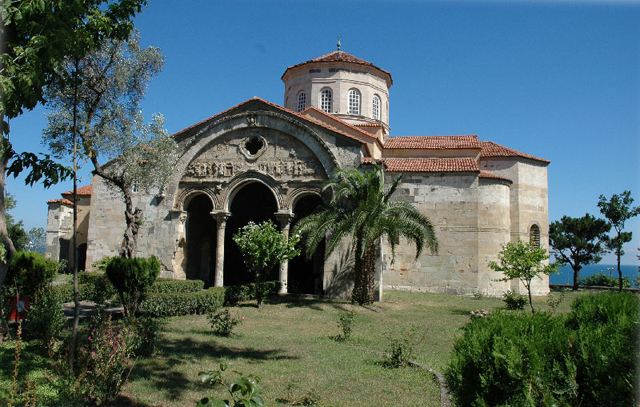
(104, 361)
(479, 314)
(223, 322)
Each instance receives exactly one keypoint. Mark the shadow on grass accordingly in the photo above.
(174, 370)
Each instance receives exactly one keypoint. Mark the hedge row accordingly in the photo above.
(243, 293)
(177, 303)
(587, 358)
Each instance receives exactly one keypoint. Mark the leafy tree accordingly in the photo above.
(15, 230)
(36, 37)
(37, 240)
(523, 261)
(578, 242)
(263, 247)
(617, 210)
(361, 208)
(102, 92)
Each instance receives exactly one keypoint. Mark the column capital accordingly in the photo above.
(284, 217)
(221, 218)
(179, 214)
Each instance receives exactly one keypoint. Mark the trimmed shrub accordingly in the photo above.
(174, 304)
(603, 280)
(65, 292)
(605, 342)
(246, 292)
(168, 285)
(29, 272)
(513, 359)
(132, 278)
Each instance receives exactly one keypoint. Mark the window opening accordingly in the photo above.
(325, 100)
(302, 101)
(534, 236)
(354, 102)
(376, 107)
(254, 145)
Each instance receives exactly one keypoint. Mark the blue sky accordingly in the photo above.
(556, 79)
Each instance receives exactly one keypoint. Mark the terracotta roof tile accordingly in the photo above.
(428, 164)
(488, 175)
(491, 149)
(61, 201)
(433, 142)
(82, 191)
(339, 56)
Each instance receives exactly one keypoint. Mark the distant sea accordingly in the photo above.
(566, 273)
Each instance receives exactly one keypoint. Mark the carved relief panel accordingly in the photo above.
(255, 149)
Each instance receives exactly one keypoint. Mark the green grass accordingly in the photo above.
(290, 345)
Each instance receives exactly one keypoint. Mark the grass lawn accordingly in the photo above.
(290, 345)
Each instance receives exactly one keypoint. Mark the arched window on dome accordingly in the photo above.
(354, 102)
(534, 236)
(376, 107)
(326, 100)
(302, 101)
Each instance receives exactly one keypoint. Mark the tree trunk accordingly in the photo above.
(8, 245)
(359, 280)
(619, 275)
(133, 217)
(576, 278)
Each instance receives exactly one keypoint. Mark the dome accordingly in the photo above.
(341, 84)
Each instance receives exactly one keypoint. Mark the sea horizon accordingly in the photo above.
(565, 276)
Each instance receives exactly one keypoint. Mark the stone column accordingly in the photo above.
(285, 218)
(221, 220)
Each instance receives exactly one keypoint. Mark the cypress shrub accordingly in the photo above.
(132, 278)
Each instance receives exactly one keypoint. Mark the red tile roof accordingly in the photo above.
(428, 164)
(82, 191)
(284, 109)
(61, 201)
(492, 176)
(432, 142)
(340, 56)
(491, 149)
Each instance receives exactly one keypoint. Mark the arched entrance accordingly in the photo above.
(305, 276)
(201, 240)
(253, 203)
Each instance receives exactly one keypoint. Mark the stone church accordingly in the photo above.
(259, 160)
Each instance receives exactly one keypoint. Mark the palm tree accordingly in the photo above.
(361, 208)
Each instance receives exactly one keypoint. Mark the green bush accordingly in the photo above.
(606, 343)
(168, 285)
(132, 278)
(514, 300)
(513, 359)
(29, 272)
(145, 329)
(174, 304)
(99, 290)
(603, 280)
(65, 292)
(45, 316)
(586, 358)
(243, 293)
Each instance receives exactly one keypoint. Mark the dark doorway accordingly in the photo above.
(201, 240)
(82, 257)
(254, 202)
(305, 276)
